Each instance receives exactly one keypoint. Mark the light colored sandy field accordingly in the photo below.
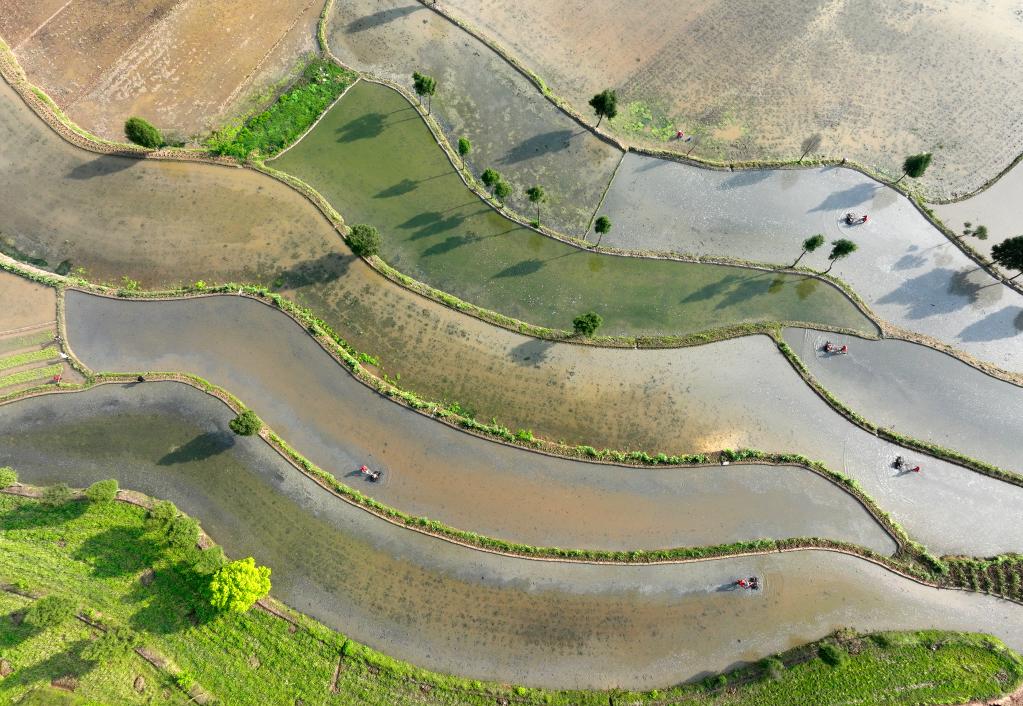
(876, 79)
(186, 65)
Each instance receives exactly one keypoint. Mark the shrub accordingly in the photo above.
(142, 132)
(246, 423)
(364, 240)
(162, 513)
(50, 611)
(209, 561)
(115, 642)
(236, 586)
(8, 476)
(587, 324)
(773, 668)
(56, 495)
(183, 532)
(102, 491)
(832, 654)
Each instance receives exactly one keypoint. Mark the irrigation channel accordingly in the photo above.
(455, 609)
(376, 161)
(258, 354)
(434, 471)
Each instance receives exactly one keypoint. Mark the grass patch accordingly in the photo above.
(30, 375)
(269, 132)
(28, 339)
(13, 361)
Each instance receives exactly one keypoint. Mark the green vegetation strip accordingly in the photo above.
(30, 375)
(13, 361)
(278, 656)
(269, 132)
(26, 340)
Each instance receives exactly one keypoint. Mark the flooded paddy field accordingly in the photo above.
(922, 393)
(762, 79)
(374, 159)
(996, 208)
(512, 127)
(453, 609)
(434, 471)
(185, 66)
(905, 269)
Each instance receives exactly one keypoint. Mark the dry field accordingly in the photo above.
(876, 79)
(186, 65)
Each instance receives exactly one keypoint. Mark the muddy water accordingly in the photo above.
(450, 608)
(997, 208)
(435, 471)
(376, 161)
(922, 393)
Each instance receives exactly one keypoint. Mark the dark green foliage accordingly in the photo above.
(916, 164)
(1009, 254)
(587, 324)
(537, 195)
(605, 105)
(424, 86)
(142, 132)
(182, 532)
(114, 643)
(162, 513)
(283, 122)
(56, 494)
(246, 423)
(841, 248)
(602, 226)
(833, 654)
(980, 232)
(773, 668)
(7, 476)
(809, 245)
(502, 189)
(364, 240)
(50, 611)
(102, 491)
(490, 177)
(209, 560)
(464, 147)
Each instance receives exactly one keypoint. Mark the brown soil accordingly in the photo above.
(876, 79)
(25, 303)
(186, 65)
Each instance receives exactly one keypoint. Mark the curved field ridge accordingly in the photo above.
(434, 471)
(905, 269)
(376, 161)
(447, 607)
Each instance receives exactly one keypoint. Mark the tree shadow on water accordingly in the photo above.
(521, 269)
(200, 448)
(539, 145)
(532, 353)
(101, 166)
(361, 24)
(327, 268)
(361, 128)
(402, 187)
(451, 243)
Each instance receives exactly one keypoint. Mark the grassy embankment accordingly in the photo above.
(96, 554)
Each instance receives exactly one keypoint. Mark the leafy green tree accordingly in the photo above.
(50, 611)
(425, 86)
(809, 245)
(1009, 254)
(602, 226)
(7, 477)
(464, 148)
(246, 423)
(364, 240)
(162, 513)
(183, 532)
(587, 324)
(142, 132)
(915, 165)
(605, 105)
(502, 190)
(114, 643)
(536, 195)
(55, 495)
(102, 491)
(490, 177)
(236, 586)
(841, 248)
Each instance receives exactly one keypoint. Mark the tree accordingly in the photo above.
(809, 245)
(142, 132)
(364, 240)
(102, 491)
(605, 105)
(246, 423)
(490, 177)
(425, 86)
(841, 248)
(915, 165)
(603, 226)
(56, 495)
(236, 586)
(502, 190)
(536, 195)
(464, 148)
(183, 532)
(1009, 254)
(587, 324)
(50, 611)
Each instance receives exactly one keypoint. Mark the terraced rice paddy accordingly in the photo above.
(450, 608)
(376, 162)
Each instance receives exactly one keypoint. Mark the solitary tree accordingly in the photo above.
(246, 423)
(1009, 254)
(605, 105)
(364, 240)
(809, 245)
(464, 148)
(490, 177)
(587, 324)
(142, 132)
(425, 86)
(502, 190)
(236, 586)
(915, 166)
(841, 248)
(603, 226)
(536, 195)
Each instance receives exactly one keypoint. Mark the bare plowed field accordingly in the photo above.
(186, 65)
(874, 79)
